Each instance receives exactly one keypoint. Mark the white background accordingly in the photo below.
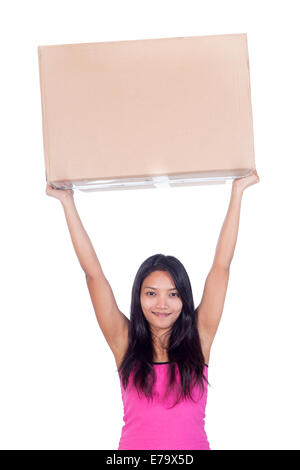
(59, 384)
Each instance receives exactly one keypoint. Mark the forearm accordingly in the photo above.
(229, 232)
(80, 239)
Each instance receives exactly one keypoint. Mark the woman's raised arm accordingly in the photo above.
(113, 323)
(82, 244)
(212, 303)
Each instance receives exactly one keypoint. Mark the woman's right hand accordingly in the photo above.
(60, 194)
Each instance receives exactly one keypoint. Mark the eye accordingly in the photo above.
(172, 293)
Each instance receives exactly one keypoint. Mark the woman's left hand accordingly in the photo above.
(243, 183)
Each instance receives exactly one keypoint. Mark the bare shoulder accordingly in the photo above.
(120, 351)
(113, 323)
(205, 347)
(210, 310)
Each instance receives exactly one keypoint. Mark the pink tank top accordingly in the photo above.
(151, 425)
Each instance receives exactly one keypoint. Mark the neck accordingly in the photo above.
(160, 346)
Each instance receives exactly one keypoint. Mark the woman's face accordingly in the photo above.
(160, 300)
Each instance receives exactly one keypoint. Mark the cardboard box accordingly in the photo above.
(146, 113)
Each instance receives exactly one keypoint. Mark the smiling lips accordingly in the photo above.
(161, 314)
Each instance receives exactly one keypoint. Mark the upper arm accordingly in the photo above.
(113, 323)
(211, 306)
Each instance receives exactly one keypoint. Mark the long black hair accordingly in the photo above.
(184, 348)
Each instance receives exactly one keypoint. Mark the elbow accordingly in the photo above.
(221, 266)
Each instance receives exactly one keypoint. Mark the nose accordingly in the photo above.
(161, 305)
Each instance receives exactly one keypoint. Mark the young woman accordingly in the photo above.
(162, 352)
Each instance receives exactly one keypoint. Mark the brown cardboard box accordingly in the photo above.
(142, 113)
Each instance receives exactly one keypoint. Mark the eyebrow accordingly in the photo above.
(155, 288)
